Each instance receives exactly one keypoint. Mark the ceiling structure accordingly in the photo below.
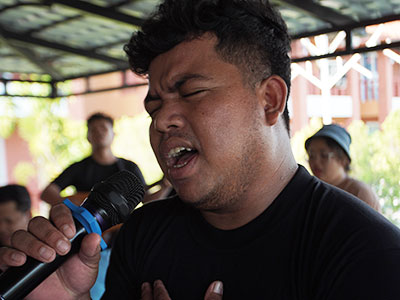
(60, 40)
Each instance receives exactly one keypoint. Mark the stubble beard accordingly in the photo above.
(229, 190)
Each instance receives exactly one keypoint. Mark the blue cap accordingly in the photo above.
(337, 134)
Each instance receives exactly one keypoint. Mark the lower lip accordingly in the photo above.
(185, 171)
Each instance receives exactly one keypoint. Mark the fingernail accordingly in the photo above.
(218, 288)
(157, 282)
(67, 230)
(62, 246)
(17, 257)
(45, 253)
(145, 285)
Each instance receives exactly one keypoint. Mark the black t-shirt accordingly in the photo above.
(314, 242)
(87, 172)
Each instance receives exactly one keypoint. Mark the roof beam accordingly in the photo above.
(32, 31)
(119, 4)
(348, 52)
(349, 26)
(52, 45)
(321, 12)
(106, 12)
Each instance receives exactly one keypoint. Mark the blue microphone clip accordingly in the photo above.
(86, 219)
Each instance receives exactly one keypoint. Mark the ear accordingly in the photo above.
(88, 137)
(272, 93)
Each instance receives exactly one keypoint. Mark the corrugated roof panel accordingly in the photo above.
(140, 8)
(72, 65)
(361, 10)
(299, 20)
(87, 32)
(17, 64)
(114, 51)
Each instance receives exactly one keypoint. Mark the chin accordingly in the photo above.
(195, 201)
(189, 199)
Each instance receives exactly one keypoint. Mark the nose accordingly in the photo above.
(169, 117)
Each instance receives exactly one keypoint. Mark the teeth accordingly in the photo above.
(175, 152)
(180, 165)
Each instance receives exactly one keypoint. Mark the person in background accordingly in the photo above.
(15, 211)
(248, 222)
(100, 165)
(83, 175)
(329, 158)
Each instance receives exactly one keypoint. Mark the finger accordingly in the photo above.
(147, 291)
(31, 246)
(214, 291)
(45, 231)
(159, 291)
(11, 257)
(61, 217)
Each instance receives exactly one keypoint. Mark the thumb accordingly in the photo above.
(214, 291)
(90, 250)
(78, 274)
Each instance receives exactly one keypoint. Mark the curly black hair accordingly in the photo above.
(251, 35)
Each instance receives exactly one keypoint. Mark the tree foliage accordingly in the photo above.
(54, 140)
(7, 119)
(377, 161)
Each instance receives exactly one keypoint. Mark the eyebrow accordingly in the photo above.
(178, 83)
(186, 78)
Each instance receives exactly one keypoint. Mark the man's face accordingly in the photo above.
(11, 220)
(100, 133)
(206, 122)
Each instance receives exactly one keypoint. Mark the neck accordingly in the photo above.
(258, 198)
(103, 156)
(339, 179)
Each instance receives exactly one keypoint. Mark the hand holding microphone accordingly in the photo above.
(108, 204)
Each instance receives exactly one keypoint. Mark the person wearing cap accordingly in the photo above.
(329, 158)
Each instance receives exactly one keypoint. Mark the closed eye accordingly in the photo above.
(192, 93)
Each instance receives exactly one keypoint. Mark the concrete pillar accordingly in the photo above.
(353, 89)
(385, 71)
(299, 104)
(299, 91)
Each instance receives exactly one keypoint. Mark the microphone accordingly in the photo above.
(109, 203)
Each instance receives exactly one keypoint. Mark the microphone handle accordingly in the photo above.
(17, 282)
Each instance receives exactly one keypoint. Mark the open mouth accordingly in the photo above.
(179, 157)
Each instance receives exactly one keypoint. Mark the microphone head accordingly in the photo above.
(112, 200)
